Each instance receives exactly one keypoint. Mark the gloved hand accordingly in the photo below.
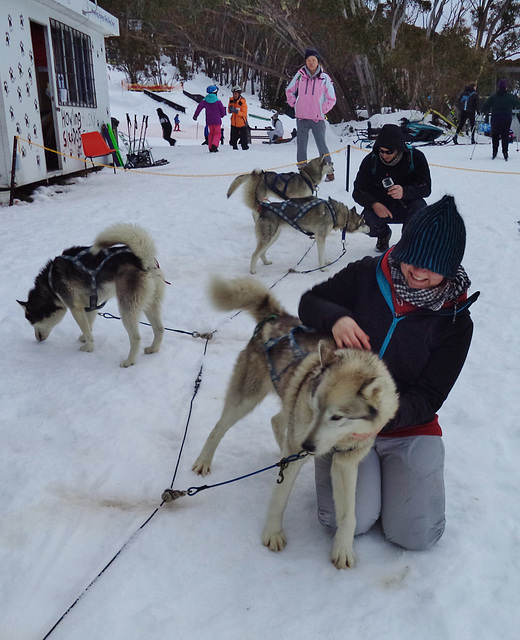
(194, 117)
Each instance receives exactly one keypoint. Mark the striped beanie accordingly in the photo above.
(434, 239)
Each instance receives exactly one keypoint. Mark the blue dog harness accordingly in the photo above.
(279, 182)
(292, 212)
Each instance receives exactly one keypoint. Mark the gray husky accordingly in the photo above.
(332, 400)
(121, 263)
(311, 216)
(284, 185)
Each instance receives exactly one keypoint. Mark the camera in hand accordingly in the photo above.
(387, 183)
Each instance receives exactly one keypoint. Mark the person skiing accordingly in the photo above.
(468, 104)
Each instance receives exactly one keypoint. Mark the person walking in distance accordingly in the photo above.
(501, 105)
(166, 127)
(177, 122)
(215, 111)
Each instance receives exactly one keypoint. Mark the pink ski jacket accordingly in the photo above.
(311, 96)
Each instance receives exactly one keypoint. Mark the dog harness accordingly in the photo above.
(106, 254)
(298, 354)
(292, 211)
(279, 182)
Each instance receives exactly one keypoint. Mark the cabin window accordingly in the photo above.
(73, 66)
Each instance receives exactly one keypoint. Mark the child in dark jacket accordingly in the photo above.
(411, 307)
(215, 111)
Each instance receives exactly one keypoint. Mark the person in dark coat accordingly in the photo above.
(468, 106)
(501, 105)
(166, 127)
(403, 195)
(411, 307)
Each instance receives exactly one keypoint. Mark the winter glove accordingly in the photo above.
(194, 117)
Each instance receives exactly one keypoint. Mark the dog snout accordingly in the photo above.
(309, 446)
(39, 336)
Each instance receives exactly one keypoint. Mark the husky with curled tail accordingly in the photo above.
(332, 400)
(301, 184)
(121, 263)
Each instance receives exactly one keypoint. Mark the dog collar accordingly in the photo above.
(338, 450)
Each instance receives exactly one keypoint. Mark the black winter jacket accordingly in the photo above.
(424, 350)
(411, 172)
(468, 100)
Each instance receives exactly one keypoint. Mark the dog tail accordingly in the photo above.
(250, 197)
(136, 238)
(239, 180)
(244, 293)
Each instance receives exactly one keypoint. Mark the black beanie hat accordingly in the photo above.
(312, 52)
(391, 137)
(434, 239)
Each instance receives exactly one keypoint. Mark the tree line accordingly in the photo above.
(394, 53)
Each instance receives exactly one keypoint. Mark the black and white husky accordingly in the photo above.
(121, 263)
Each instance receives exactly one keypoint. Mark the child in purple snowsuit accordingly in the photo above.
(215, 111)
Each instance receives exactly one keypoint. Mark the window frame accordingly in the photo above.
(73, 66)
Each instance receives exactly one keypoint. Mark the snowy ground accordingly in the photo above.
(87, 448)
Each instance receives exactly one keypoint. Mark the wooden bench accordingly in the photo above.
(260, 133)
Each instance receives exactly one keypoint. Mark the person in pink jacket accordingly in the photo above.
(215, 111)
(312, 95)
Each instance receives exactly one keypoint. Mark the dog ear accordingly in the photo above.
(326, 354)
(24, 304)
(372, 390)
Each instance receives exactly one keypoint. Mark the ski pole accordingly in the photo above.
(136, 126)
(145, 129)
(141, 135)
(129, 124)
(473, 150)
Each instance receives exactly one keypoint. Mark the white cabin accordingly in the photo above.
(54, 85)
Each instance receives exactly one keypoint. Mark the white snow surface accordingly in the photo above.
(87, 448)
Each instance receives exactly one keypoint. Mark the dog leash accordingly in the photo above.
(193, 334)
(169, 495)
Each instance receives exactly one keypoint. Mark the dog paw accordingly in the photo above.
(274, 540)
(201, 467)
(87, 346)
(252, 271)
(343, 558)
(82, 338)
(151, 349)
(324, 269)
(127, 363)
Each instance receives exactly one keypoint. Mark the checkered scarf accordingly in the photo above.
(434, 298)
